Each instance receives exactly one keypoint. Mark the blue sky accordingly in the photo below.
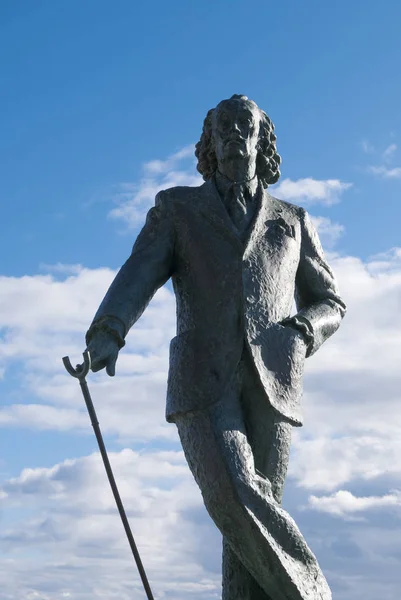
(93, 95)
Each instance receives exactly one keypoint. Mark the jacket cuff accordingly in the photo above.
(305, 327)
(107, 324)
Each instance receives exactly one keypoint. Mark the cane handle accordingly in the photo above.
(81, 371)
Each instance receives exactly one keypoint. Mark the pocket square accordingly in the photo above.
(279, 225)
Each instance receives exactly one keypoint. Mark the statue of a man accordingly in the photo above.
(236, 256)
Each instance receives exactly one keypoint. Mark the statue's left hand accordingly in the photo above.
(299, 328)
(296, 331)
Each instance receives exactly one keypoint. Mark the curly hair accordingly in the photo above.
(267, 161)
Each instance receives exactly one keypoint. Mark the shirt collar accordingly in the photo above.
(224, 184)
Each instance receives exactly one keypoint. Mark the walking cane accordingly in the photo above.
(80, 373)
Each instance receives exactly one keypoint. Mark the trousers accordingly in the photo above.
(237, 450)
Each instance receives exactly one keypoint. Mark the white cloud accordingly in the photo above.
(386, 172)
(135, 199)
(78, 540)
(389, 151)
(343, 503)
(43, 417)
(327, 461)
(389, 261)
(353, 384)
(311, 191)
(329, 232)
(367, 147)
(43, 319)
(164, 166)
(44, 303)
(62, 268)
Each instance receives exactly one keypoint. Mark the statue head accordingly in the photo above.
(238, 129)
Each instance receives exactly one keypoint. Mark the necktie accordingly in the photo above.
(237, 203)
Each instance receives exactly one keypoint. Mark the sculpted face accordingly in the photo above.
(235, 130)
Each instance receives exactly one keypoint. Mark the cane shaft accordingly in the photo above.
(106, 462)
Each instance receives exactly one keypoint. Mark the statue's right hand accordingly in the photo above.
(103, 349)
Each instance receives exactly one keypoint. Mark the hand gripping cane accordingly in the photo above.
(80, 373)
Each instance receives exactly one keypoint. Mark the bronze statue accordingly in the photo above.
(237, 256)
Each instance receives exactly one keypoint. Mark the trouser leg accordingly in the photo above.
(269, 436)
(263, 536)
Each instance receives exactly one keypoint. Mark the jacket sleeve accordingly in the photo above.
(146, 270)
(320, 308)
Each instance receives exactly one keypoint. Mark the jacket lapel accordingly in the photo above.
(212, 208)
(268, 210)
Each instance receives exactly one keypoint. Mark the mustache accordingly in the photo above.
(234, 138)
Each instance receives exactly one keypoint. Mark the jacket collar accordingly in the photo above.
(212, 208)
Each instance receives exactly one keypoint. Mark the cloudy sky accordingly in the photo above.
(101, 105)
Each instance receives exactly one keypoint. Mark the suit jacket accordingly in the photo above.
(228, 293)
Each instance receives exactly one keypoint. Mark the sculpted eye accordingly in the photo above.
(247, 122)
